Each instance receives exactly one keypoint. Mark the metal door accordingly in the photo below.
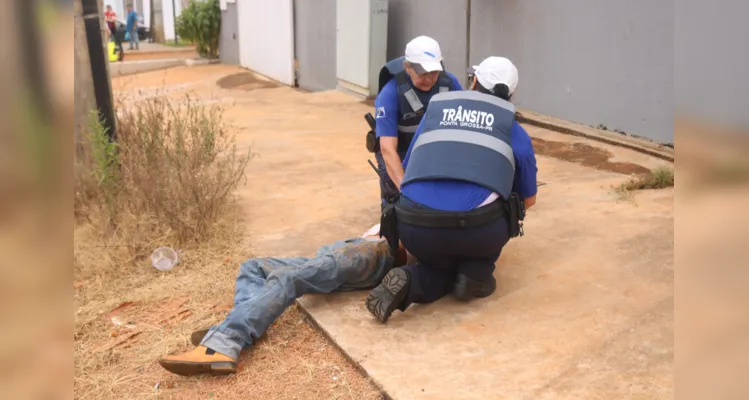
(266, 38)
(229, 40)
(315, 44)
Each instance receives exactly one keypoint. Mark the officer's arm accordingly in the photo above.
(525, 166)
(386, 120)
(389, 149)
(456, 84)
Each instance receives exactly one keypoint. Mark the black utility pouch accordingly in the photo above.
(388, 224)
(373, 144)
(515, 215)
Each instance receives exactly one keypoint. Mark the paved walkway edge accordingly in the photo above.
(138, 66)
(615, 139)
(335, 344)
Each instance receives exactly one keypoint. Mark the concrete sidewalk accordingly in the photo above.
(584, 306)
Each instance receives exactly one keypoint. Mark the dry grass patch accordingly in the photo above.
(659, 178)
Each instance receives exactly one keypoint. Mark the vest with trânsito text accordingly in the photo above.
(466, 136)
(411, 107)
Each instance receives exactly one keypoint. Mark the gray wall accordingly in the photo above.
(712, 61)
(315, 44)
(594, 62)
(444, 20)
(229, 40)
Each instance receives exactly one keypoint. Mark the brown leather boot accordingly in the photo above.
(201, 360)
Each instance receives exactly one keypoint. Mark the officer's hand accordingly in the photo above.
(529, 202)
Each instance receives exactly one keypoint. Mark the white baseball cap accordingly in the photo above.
(497, 70)
(424, 54)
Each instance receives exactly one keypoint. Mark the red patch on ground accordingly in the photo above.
(587, 155)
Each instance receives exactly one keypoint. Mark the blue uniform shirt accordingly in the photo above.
(453, 195)
(387, 110)
(132, 20)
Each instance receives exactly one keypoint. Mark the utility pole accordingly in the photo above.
(97, 57)
(157, 21)
(174, 18)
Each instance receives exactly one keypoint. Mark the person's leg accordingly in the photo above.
(218, 351)
(363, 266)
(481, 247)
(428, 284)
(430, 279)
(134, 37)
(267, 286)
(434, 275)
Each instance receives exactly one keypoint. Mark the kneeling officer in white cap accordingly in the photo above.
(406, 84)
(470, 174)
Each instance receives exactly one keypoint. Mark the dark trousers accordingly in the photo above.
(117, 36)
(443, 253)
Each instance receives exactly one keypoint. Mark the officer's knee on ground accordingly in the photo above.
(467, 289)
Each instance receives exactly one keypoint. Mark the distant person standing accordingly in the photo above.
(111, 17)
(132, 26)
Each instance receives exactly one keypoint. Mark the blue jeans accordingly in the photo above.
(267, 286)
(134, 38)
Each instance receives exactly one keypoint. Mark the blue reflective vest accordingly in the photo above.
(411, 108)
(466, 136)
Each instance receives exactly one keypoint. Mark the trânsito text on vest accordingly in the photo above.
(467, 118)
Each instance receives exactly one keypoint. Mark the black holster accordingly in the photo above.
(373, 144)
(389, 224)
(515, 214)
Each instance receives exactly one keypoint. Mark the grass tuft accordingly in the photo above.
(170, 177)
(659, 178)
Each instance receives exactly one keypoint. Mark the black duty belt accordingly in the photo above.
(452, 219)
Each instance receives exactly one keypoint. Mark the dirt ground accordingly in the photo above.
(311, 185)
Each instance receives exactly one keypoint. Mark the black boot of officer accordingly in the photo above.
(390, 295)
(468, 289)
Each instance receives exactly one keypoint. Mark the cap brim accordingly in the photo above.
(423, 68)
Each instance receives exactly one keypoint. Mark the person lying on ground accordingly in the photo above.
(265, 287)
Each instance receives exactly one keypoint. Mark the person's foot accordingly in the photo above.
(389, 295)
(201, 360)
(197, 337)
(467, 289)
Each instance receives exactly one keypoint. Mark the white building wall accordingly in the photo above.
(169, 17)
(266, 38)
